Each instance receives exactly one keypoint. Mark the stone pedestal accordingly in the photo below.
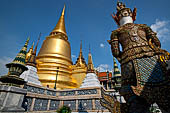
(11, 98)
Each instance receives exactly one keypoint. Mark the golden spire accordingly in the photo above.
(80, 60)
(60, 27)
(29, 53)
(90, 67)
(32, 59)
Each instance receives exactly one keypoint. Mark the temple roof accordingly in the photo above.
(103, 76)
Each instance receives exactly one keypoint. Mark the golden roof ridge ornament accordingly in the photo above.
(60, 26)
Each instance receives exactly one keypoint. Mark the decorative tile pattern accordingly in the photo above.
(40, 104)
(87, 92)
(71, 104)
(54, 104)
(84, 105)
(67, 93)
(49, 92)
(34, 89)
(149, 71)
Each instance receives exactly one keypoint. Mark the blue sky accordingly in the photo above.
(86, 20)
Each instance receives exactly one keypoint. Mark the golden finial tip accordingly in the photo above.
(81, 45)
(63, 10)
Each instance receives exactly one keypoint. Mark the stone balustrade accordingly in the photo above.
(41, 98)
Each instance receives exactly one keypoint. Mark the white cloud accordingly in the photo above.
(73, 56)
(162, 29)
(102, 45)
(3, 62)
(103, 68)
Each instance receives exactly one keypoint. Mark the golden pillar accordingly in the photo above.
(56, 52)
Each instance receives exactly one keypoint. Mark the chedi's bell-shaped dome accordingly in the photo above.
(54, 59)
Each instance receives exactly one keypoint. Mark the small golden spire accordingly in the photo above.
(80, 60)
(29, 53)
(90, 68)
(60, 27)
(32, 59)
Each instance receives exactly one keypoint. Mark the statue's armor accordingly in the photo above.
(134, 40)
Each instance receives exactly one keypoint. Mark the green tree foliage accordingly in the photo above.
(64, 109)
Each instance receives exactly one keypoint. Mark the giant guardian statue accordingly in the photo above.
(145, 78)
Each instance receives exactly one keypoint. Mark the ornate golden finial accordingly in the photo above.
(60, 27)
(80, 60)
(63, 10)
(90, 67)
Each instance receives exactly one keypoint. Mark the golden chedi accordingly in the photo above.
(56, 53)
(79, 69)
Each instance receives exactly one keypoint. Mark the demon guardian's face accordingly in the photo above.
(125, 17)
